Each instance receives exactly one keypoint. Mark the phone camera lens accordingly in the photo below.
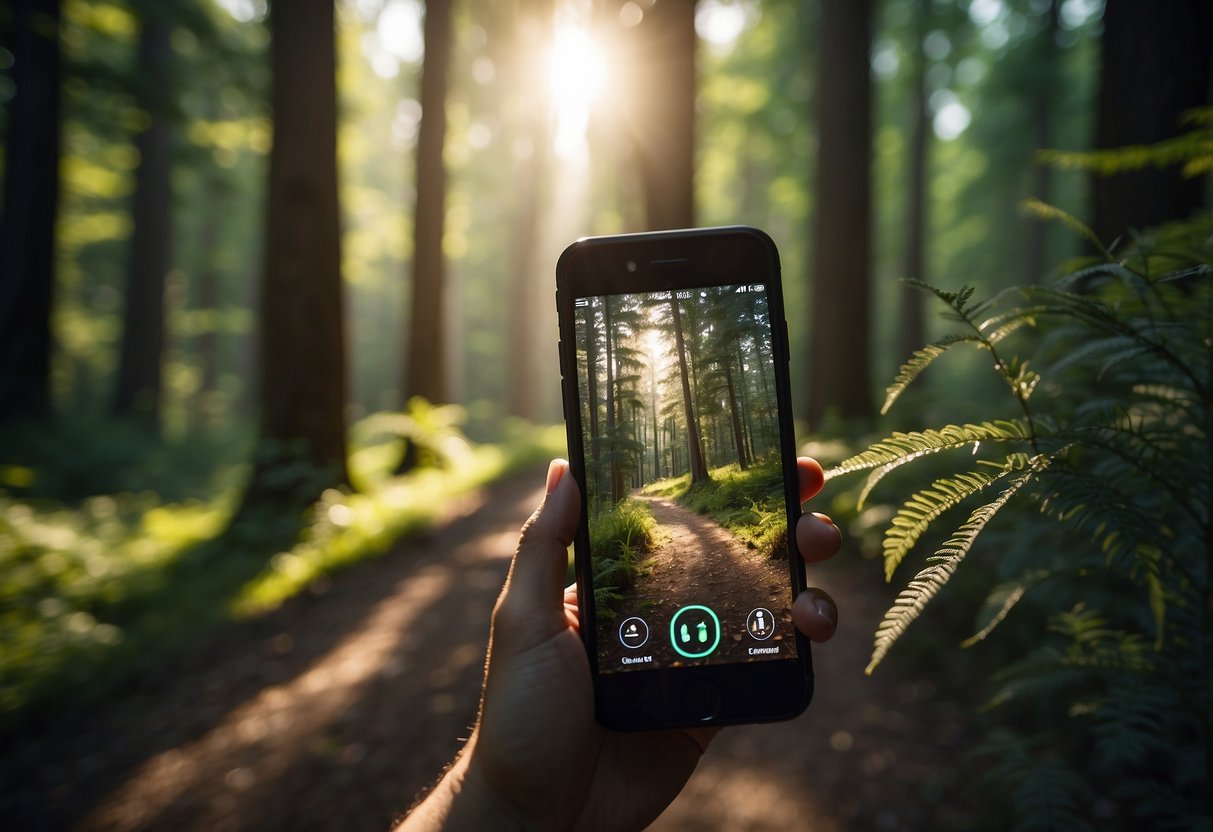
(631, 265)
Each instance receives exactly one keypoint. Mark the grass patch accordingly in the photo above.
(619, 539)
(93, 593)
(748, 503)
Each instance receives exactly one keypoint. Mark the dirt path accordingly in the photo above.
(333, 712)
(701, 562)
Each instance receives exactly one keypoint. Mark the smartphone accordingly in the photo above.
(674, 365)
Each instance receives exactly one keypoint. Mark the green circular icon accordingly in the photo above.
(690, 637)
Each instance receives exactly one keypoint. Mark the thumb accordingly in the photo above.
(534, 591)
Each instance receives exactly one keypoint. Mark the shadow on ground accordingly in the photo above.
(333, 713)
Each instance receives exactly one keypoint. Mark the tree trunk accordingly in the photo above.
(911, 333)
(839, 372)
(534, 32)
(662, 122)
(1042, 119)
(207, 302)
(425, 362)
(1155, 65)
(699, 471)
(301, 449)
(656, 430)
(735, 417)
(141, 356)
(27, 221)
(612, 425)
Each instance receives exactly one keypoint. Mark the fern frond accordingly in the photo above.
(1135, 281)
(918, 362)
(900, 448)
(1051, 213)
(998, 605)
(922, 509)
(927, 583)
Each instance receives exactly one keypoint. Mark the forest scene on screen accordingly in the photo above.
(687, 519)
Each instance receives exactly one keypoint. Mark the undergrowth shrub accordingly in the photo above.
(1088, 486)
(619, 539)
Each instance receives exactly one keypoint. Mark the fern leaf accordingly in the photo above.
(1130, 278)
(1044, 211)
(900, 448)
(922, 509)
(927, 583)
(997, 607)
(918, 362)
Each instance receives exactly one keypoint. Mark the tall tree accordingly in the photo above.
(425, 360)
(839, 361)
(140, 357)
(1045, 84)
(662, 121)
(27, 217)
(301, 447)
(529, 77)
(911, 331)
(1155, 65)
(699, 469)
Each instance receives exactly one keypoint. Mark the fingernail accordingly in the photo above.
(555, 472)
(824, 607)
(825, 518)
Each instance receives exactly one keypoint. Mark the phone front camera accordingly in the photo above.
(631, 265)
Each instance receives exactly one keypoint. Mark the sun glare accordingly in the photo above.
(576, 75)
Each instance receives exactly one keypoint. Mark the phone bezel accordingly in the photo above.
(760, 691)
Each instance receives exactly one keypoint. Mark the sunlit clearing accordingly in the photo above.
(575, 78)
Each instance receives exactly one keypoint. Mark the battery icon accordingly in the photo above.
(757, 287)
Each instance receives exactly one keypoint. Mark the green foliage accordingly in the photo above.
(619, 538)
(1103, 466)
(94, 592)
(1193, 149)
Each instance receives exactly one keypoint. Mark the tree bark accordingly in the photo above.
(27, 221)
(425, 361)
(301, 448)
(839, 364)
(137, 394)
(1155, 65)
(662, 122)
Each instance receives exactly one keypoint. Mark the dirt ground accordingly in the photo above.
(333, 712)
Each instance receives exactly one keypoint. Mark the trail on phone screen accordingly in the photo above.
(698, 561)
(334, 711)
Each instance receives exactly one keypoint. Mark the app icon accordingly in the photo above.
(633, 632)
(760, 624)
(695, 631)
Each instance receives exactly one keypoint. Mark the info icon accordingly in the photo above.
(695, 631)
(760, 624)
(633, 632)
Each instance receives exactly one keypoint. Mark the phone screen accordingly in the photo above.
(686, 499)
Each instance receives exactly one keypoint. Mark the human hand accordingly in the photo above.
(537, 757)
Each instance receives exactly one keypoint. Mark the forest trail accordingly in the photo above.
(333, 712)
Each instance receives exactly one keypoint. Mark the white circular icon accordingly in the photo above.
(760, 624)
(633, 632)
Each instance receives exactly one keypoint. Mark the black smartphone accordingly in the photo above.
(674, 365)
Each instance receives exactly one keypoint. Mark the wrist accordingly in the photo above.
(464, 799)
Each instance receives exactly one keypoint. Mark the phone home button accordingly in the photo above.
(701, 700)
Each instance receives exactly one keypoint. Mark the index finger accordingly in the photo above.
(812, 477)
